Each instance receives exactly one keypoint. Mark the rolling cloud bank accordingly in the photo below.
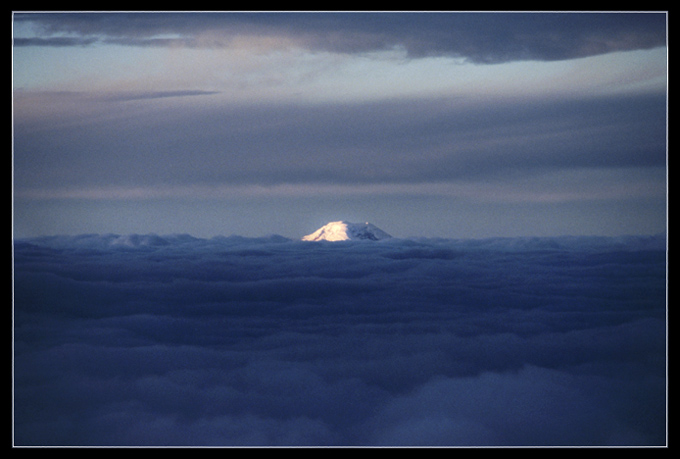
(175, 340)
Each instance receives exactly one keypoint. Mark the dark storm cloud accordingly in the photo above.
(478, 37)
(409, 141)
(174, 340)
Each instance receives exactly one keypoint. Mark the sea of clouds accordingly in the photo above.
(231, 341)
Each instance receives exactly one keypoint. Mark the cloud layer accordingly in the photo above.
(403, 142)
(477, 37)
(174, 340)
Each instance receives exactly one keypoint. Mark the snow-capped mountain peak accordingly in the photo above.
(346, 231)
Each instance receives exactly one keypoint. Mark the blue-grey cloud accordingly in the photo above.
(112, 144)
(478, 37)
(176, 340)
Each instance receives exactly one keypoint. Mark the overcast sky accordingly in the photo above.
(426, 124)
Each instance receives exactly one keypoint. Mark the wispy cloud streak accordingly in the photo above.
(566, 186)
(122, 96)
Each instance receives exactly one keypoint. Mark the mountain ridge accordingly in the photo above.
(347, 231)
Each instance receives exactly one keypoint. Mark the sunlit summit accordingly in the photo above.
(346, 231)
